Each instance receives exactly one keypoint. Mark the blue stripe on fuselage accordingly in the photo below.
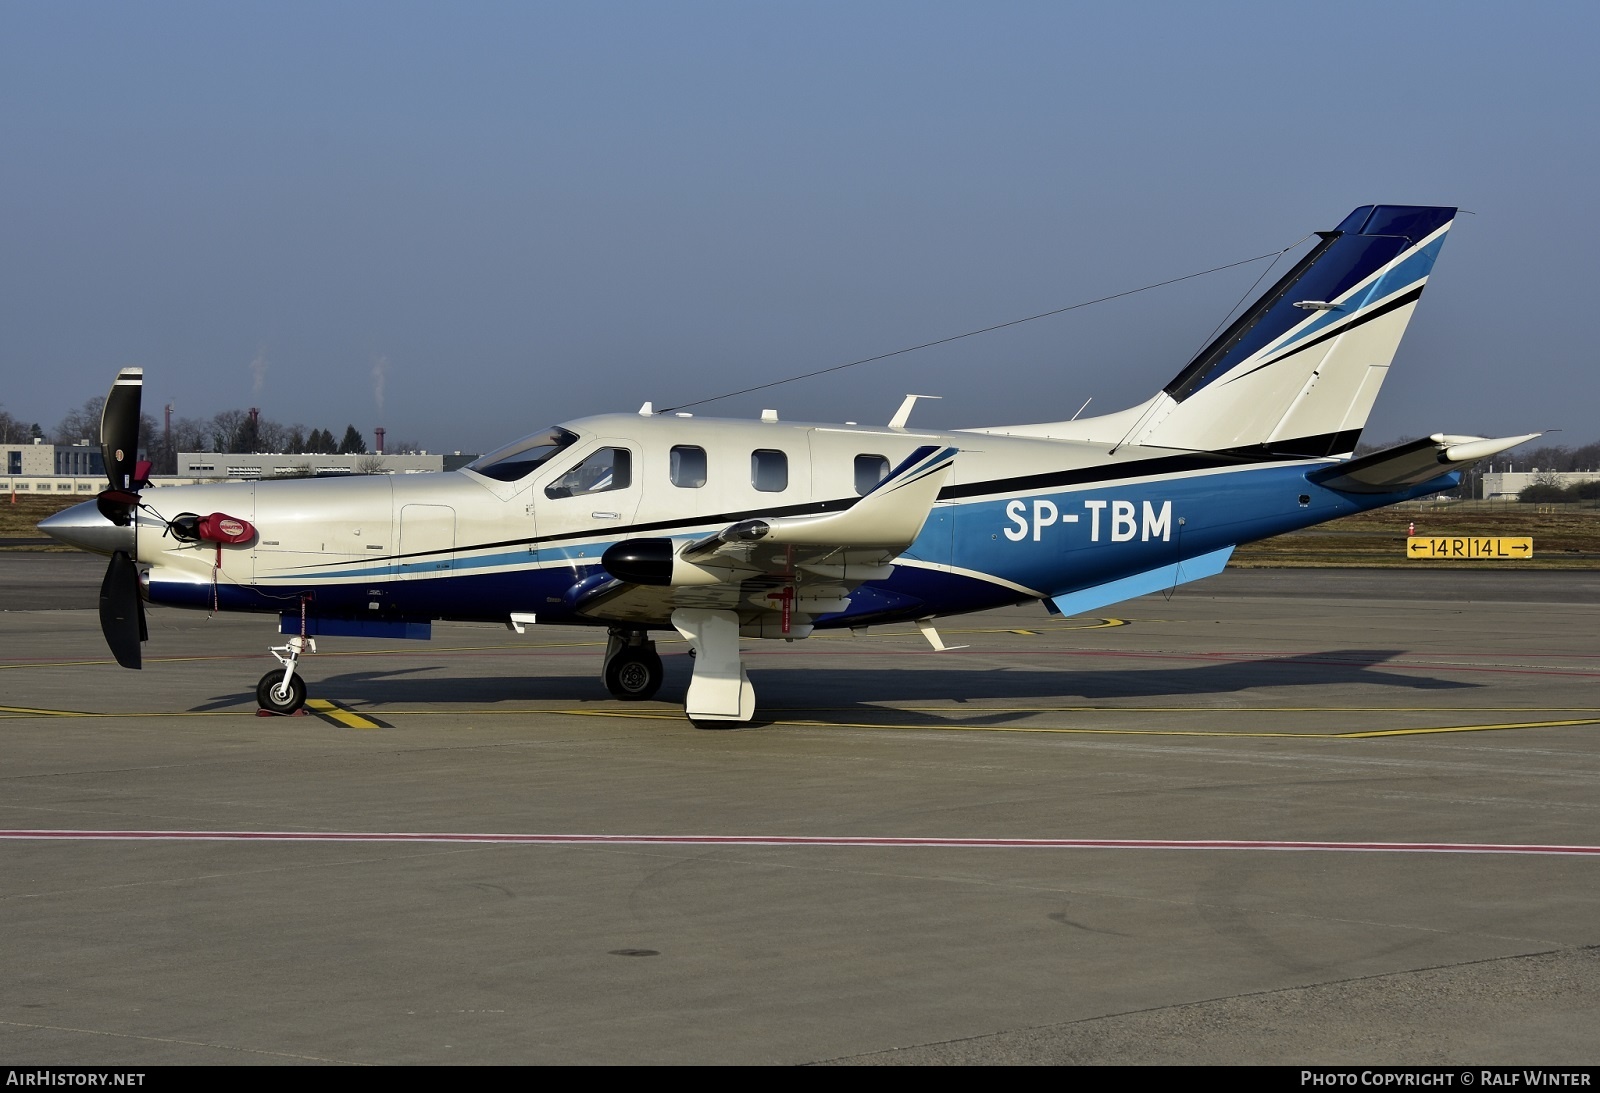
(1027, 539)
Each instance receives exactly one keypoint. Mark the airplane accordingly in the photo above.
(722, 529)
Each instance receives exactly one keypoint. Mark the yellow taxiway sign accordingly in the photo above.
(1468, 546)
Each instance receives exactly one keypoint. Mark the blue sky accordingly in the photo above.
(466, 221)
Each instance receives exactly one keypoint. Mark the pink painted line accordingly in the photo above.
(794, 840)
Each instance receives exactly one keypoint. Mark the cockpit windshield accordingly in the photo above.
(521, 458)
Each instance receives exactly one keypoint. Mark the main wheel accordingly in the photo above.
(270, 696)
(634, 674)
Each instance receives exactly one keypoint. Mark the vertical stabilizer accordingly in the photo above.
(1298, 372)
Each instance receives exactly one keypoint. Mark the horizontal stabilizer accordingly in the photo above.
(1159, 579)
(1413, 463)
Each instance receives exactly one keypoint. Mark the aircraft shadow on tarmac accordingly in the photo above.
(853, 691)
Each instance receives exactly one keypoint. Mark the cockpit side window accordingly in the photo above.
(518, 460)
(600, 472)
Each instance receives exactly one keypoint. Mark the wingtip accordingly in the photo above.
(1469, 451)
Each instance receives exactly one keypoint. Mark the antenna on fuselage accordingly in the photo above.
(903, 415)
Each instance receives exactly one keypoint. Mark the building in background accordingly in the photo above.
(35, 469)
(31, 459)
(1506, 485)
(39, 458)
(38, 468)
(238, 466)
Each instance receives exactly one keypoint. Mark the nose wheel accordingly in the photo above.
(277, 695)
(281, 691)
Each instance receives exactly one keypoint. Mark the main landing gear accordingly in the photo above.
(282, 691)
(719, 690)
(632, 669)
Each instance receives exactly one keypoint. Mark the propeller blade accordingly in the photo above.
(121, 613)
(119, 428)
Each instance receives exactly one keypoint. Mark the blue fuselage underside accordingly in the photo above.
(971, 555)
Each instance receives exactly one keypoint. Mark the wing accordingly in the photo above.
(778, 573)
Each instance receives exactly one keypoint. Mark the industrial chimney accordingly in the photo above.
(378, 432)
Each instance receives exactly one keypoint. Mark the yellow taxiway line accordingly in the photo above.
(340, 716)
(335, 714)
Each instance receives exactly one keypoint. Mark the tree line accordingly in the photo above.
(1556, 457)
(14, 430)
(230, 431)
(1550, 493)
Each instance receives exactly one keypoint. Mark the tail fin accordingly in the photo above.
(1298, 372)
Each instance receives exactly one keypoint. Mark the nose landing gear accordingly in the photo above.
(284, 692)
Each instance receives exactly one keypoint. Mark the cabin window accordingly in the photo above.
(600, 472)
(688, 466)
(769, 470)
(870, 470)
(522, 458)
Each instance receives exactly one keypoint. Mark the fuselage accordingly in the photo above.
(1021, 518)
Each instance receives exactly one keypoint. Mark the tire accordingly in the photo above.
(634, 675)
(267, 693)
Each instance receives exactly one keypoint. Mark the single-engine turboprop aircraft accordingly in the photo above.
(729, 529)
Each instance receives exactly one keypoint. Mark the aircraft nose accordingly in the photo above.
(83, 526)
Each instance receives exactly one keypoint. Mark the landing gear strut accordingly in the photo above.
(283, 692)
(632, 669)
